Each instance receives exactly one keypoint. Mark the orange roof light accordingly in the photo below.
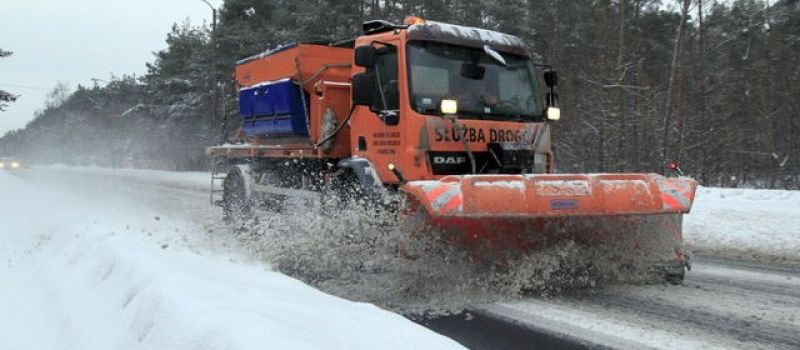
(412, 20)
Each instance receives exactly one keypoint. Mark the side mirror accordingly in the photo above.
(550, 78)
(365, 56)
(390, 117)
(363, 89)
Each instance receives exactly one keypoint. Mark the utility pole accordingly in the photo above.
(214, 62)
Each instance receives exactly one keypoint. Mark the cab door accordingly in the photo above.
(377, 121)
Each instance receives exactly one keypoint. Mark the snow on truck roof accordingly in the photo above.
(429, 31)
(467, 36)
(266, 53)
(347, 43)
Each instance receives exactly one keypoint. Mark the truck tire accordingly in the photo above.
(675, 275)
(236, 206)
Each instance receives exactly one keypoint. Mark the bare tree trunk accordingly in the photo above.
(637, 121)
(622, 113)
(676, 52)
(771, 104)
(554, 56)
(701, 101)
(605, 64)
(680, 112)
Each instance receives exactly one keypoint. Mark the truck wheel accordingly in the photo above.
(675, 275)
(235, 204)
(675, 278)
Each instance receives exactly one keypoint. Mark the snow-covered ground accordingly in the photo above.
(190, 180)
(745, 223)
(95, 258)
(110, 268)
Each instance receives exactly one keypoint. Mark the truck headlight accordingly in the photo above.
(14, 165)
(553, 113)
(449, 106)
(2, 165)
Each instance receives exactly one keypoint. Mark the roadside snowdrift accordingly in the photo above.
(745, 223)
(81, 273)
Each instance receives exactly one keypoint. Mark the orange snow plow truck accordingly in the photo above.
(454, 119)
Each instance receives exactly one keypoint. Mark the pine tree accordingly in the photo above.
(6, 97)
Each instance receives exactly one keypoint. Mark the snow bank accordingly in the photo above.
(192, 180)
(745, 223)
(79, 273)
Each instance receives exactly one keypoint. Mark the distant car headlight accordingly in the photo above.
(14, 165)
(2, 165)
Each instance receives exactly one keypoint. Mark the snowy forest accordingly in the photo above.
(714, 85)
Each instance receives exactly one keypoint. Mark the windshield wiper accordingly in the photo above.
(472, 114)
(503, 116)
(435, 111)
(429, 111)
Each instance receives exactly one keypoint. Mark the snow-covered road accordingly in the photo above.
(719, 307)
(742, 293)
(97, 258)
(136, 260)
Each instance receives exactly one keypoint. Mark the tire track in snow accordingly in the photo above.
(725, 306)
(748, 331)
(762, 288)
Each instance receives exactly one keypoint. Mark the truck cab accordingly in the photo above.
(434, 99)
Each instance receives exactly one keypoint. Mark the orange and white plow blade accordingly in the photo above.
(504, 214)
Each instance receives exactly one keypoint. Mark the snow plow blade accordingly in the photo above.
(500, 214)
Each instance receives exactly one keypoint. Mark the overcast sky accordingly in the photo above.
(74, 41)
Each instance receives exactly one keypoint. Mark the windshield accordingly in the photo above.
(483, 87)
